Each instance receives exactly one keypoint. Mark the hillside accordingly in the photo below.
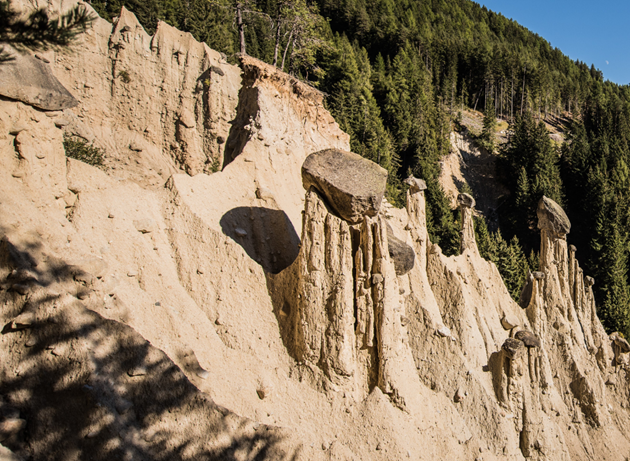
(397, 76)
(154, 308)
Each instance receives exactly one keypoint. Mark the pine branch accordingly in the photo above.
(37, 31)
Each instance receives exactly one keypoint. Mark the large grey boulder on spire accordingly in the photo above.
(352, 185)
(552, 217)
(415, 184)
(466, 200)
(30, 80)
(620, 342)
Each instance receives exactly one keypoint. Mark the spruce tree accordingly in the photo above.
(615, 310)
(487, 138)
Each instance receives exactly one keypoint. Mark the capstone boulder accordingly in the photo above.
(552, 217)
(620, 342)
(415, 184)
(466, 200)
(352, 185)
(513, 347)
(528, 338)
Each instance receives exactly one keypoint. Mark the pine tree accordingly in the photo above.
(483, 238)
(487, 138)
(354, 107)
(529, 166)
(508, 257)
(615, 310)
(442, 225)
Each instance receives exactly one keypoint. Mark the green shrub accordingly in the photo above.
(79, 149)
(124, 76)
(216, 165)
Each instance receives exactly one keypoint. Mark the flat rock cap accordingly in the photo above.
(415, 184)
(528, 338)
(466, 200)
(512, 347)
(31, 81)
(620, 342)
(352, 185)
(552, 217)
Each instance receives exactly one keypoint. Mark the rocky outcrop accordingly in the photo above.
(466, 205)
(342, 301)
(402, 254)
(415, 184)
(552, 218)
(156, 104)
(94, 387)
(29, 79)
(467, 164)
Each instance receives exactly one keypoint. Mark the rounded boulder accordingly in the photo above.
(352, 185)
(552, 217)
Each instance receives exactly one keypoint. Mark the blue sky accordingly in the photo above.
(595, 32)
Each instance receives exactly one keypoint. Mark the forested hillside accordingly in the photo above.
(397, 74)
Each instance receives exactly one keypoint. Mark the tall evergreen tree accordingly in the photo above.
(488, 136)
(529, 166)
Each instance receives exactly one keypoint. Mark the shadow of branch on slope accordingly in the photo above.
(91, 388)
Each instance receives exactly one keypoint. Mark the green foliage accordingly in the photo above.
(595, 174)
(79, 149)
(615, 310)
(487, 139)
(124, 76)
(442, 224)
(466, 189)
(299, 35)
(210, 23)
(508, 257)
(352, 103)
(216, 165)
(529, 168)
(148, 12)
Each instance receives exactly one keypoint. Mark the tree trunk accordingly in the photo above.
(275, 49)
(502, 97)
(286, 50)
(523, 92)
(241, 26)
(512, 101)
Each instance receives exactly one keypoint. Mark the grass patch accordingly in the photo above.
(124, 76)
(79, 149)
(502, 126)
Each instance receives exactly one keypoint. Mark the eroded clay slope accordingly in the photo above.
(157, 104)
(234, 315)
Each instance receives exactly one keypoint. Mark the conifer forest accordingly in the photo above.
(398, 74)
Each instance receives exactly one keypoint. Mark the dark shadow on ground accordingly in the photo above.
(79, 386)
(241, 130)
(267, 235)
